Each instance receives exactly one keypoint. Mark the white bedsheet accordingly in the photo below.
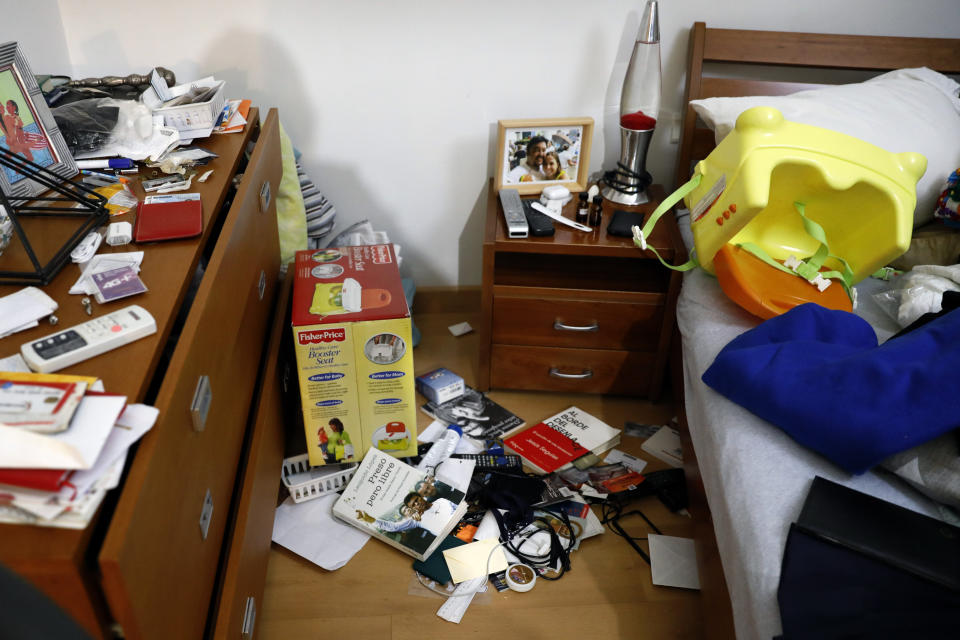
(755, 476)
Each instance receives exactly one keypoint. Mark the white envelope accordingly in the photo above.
(673, 562)
(471, 560)
(75, 448)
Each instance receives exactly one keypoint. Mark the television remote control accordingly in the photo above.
(513, 213)
(83, 341)
(487, 462)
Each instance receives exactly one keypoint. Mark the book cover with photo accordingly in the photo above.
(400, 505)
(477, 415)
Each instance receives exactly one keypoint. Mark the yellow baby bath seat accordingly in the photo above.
(828, 205)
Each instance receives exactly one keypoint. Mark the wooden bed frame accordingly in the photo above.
(785, 53)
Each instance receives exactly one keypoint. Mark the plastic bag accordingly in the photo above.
(918, 292)
(91, 125)
(86, 125)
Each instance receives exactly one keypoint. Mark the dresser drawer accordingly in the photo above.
(241, 594)
(577, 323)
(163, 547)
(571, 370)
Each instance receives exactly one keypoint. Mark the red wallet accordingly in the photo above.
(168, 220)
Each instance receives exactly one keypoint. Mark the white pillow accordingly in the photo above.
(904, 110)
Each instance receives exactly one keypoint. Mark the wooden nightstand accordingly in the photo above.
(576, 311)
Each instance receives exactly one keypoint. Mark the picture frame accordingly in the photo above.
(27, 128)
(560, 146)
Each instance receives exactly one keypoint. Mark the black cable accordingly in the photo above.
(612, 512)
(613, 180)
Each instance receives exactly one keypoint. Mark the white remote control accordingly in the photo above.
(83, 341)
(513, 214)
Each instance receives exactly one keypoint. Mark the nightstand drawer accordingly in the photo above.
(577, 323)
(571, 370)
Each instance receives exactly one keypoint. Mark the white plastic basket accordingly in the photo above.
(305, 482)
(187, 117)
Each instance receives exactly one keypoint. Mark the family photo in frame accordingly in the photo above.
(532, 154)
(28, 132)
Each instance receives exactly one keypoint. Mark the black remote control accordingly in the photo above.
(537, 223)
(487, 462)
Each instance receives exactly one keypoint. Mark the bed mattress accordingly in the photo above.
(754, 475)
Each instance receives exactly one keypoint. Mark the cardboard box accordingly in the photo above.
(440, 385)
(351, 333)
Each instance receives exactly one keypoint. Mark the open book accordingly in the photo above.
(400, 505)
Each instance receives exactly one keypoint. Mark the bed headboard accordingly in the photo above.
(783, 49)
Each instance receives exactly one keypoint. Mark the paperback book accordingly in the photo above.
(556, 442)
(477, 415)
(400, 505)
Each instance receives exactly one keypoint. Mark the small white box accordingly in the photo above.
(440, 385)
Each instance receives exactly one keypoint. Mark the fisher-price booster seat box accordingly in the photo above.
(352, 336)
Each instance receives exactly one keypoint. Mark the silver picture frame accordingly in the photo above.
(27, 127)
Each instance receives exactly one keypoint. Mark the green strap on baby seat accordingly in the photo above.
(807, 269)
(640, 235)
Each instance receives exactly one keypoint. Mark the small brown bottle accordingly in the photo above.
(583, 212)
(596, 214)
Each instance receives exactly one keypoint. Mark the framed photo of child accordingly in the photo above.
(28, 132)
(533, 154)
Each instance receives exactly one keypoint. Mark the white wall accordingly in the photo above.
(395, 104)
(36, 26)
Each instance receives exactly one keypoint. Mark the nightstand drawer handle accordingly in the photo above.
(559, 326)
(556, 373)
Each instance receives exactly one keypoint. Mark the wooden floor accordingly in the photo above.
(608, 594)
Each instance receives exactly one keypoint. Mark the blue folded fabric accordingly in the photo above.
(819, 375)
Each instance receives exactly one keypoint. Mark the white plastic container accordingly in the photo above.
(305, 482)
(188, 117)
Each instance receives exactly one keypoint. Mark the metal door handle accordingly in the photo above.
(556, 373)
(559, 326)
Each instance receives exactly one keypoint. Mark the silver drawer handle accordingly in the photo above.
(559, 326)
(200, 406)
(556, 373)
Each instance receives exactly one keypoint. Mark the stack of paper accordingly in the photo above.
(59, 479)
(233, 118)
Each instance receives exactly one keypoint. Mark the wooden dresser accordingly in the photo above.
(180, 549)
(577, 311)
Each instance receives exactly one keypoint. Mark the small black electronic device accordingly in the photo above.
(622, 223)
(487, 462)
(538, 224)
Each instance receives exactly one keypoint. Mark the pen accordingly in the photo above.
(106, 163)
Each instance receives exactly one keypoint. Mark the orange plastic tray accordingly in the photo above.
(767, 292)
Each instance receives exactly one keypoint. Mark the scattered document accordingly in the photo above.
(665, 445)
(630, 462)
(132, 424)
(23, 309)
(673, 562)
(310, 530)
(460, 328)
(14, 363)
(104, 262)
(75, 448)
(471, 560)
